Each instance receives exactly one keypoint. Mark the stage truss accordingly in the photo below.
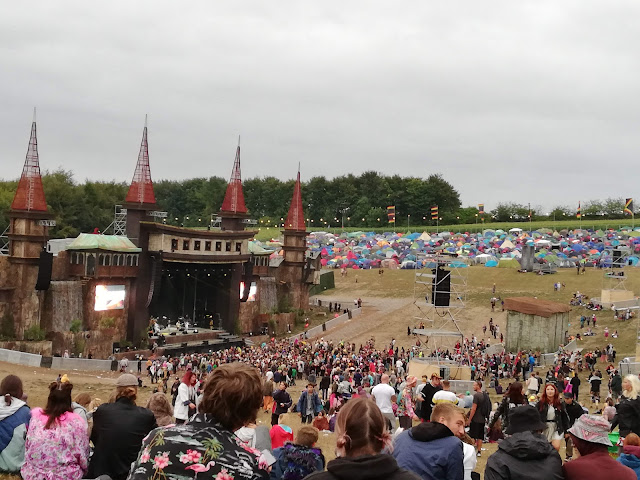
(440, 321)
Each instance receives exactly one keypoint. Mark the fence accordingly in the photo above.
(629, 368)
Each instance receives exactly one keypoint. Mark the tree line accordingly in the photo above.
(349, 200)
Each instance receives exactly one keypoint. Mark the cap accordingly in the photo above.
(568, 395)
(127, 380)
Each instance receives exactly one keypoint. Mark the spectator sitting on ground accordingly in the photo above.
(14, 421)
(432, 450)
(321, 422)
(526, 454)
(294, 461)
(361, 436)
(280, 433)
(118, 430)
(161, 408)
(57, 444)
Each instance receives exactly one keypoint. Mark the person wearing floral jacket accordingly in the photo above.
(405, 412)
(57, 446)
(205, 447)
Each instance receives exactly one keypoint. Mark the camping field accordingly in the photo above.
(388, 308)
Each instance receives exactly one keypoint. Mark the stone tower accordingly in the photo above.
(29, 220)
(292, 271)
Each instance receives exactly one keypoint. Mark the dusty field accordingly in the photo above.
(388, 309)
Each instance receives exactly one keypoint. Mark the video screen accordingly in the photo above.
(109, 297)
(253, 289)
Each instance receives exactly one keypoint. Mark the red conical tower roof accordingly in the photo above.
(295, 217)
(234, 198)
(141, 189)
(30, 194)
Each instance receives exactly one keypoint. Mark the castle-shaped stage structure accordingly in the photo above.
(114, 284)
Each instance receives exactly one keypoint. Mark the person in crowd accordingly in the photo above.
(57, 445)
(630, 456)
(118, 430)
(14, 421)
(267, 392)
(575, 385)
(281, 402)
(477, 415)
(294, 461)
(325, 381)
(321, 422)
(280, 433)
(309, 404)
(590, 436)
(574, 411)
(361, 436)
(255, 436)
(445, 395)
(525, 454)
(432, 449)
(80, 407)
(161, 408)
(532, 385)
(512, 399)
(609, 412)
(174, 391)
(553, 413)
(382, 394)
(628, 410)
(231, 398)
(469, 458)
(428, 391)
(406, 412)
(185, 406)
(615, 385)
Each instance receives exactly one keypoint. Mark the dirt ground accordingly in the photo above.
(388, 309)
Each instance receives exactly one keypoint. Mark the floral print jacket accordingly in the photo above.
(200, 449)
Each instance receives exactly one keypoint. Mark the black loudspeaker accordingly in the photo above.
(45, 266)
(617, 259)
(441, 287)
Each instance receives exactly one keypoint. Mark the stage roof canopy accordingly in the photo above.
(112, 243)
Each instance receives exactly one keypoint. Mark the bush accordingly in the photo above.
(107, 322)
(34, 333)
(76, 326)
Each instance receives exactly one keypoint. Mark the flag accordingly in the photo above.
(434, 212)
(628, 206)
(578, 212)
(391, 214)
(481, 208)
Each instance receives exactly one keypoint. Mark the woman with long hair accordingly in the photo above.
(57, 445)
(15, 416)
(554, 414)
(513, 398)
(628, 410)
(361, 435)
(186, 400)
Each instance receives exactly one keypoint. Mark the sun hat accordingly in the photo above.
(435, 375)
(127, 380)
(592, 429)
(524, 419)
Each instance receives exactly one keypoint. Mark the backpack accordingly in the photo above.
(485, 408)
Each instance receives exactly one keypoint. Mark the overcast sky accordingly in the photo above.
(525, 101)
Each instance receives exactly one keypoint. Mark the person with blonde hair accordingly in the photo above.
(628, 410)
(162, 410)
(432, 449)
(361, 436)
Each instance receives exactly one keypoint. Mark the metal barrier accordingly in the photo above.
(629, 368)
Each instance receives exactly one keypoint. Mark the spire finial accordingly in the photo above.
(145, 120)
(34, 114)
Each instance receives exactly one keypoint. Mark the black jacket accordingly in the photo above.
(366, 467)
(616, 384)
(628, 416)
(118, 430)
(562, 420)
(282, 396)
(524, 456)
(427, 395)
(573, 412)
(503, 412)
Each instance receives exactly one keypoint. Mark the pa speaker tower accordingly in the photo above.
(441, 287)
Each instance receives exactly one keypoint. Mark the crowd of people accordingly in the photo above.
(387, 423)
